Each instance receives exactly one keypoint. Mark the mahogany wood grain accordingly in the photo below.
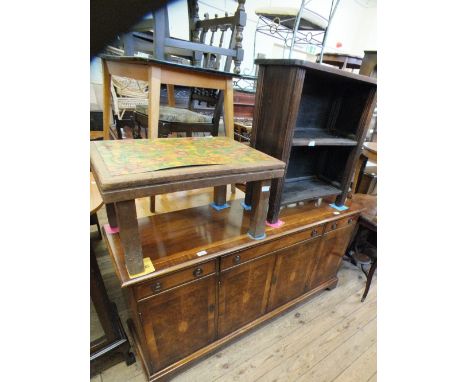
(341, 223)
(129, 235)
(178, 366)
(271, 246)
(291, 272)
(330, 254)
(172, 280)
(243, 293)
(172, 240)
(180, 321)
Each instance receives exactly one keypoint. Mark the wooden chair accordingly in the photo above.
(362, 250)
(151, 36)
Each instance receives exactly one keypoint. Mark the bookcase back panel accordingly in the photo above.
(316, 102)
(352, 106)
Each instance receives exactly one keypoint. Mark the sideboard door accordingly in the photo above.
(332, 249)
(243, 293)
(292, 268)
(179, 321)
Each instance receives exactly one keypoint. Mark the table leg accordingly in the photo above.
(260, 196)
(220, 195)
(129, 236)
(153, 204)
(106, 99)
(170, 95)
(229, 110)
(154, 76)
(112, 215)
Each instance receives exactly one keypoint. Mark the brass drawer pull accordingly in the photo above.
(198, 272)
(236, 259)
(157, 287)
(333, 226)
(314, 233)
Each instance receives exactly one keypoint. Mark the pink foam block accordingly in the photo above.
(110, 230)
(278, 224)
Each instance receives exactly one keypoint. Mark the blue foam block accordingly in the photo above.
(219, 208)
(245, 206)
(341, 208)
(258, 237)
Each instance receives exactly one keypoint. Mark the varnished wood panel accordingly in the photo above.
(180, 321)
(332, 249)
(257, 251)
(172, 280)
(292, 268)
(243, 294)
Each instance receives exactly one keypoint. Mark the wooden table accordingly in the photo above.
(369, 152)
(158, 72)
(343, 61)
(125, 170)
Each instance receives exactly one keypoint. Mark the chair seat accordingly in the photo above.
(175, 114)
(287, 15)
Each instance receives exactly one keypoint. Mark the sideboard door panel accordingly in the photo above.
(291, 272)
(179, 321)
(243, 293)
(331, 252)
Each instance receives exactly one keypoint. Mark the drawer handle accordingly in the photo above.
(333, 226)
(157, 287)
(314, 233)
(198, 272)
(350, 220)
(236, 259)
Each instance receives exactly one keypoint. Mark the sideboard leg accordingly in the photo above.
(260, 196)
(129, 236)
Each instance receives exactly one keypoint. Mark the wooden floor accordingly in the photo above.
(331, 337)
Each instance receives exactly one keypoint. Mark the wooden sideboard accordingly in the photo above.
(212, 283)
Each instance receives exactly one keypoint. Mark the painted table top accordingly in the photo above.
(137, 163)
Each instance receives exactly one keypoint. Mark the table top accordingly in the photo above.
(371, 146)
(172, 240)
(169, 64)
(312, 66)
(124, 169)
(94, 195)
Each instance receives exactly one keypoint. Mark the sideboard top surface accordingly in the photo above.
(123, 166)
(173, 240)
(321, 69)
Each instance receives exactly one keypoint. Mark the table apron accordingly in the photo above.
(189, 184)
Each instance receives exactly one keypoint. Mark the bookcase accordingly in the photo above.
(314, 118)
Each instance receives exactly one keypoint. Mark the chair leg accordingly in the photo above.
(369, 279)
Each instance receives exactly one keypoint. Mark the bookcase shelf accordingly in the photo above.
(317, 137)
(296, 190)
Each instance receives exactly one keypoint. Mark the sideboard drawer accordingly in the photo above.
(237, 258)
(163, 283)
(340, 223)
